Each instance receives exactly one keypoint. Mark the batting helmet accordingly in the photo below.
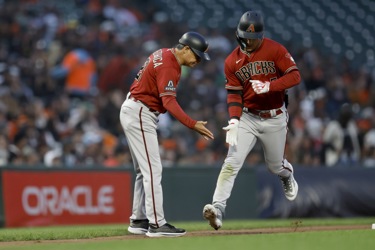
(197, 43)
(250, 25)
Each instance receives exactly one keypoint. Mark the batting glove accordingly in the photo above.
(260, 87)
(232, 132)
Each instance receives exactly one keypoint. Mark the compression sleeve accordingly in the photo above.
(234, 101)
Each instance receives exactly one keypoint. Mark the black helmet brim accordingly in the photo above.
(250, 35)
(200, 54)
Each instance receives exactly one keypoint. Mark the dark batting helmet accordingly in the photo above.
(250, 25)
(197, 43)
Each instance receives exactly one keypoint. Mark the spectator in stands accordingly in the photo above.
(35, 37)
(340, 140)
(78, 69)
(117, 158)
(369, 150)
(369, 138)
(4, 150)
(115, 74)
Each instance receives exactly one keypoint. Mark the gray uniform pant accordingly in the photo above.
(139, 125)
(272, 135)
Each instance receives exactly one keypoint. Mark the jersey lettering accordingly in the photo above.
(243, 73)
(142, 69)
(268, 67)
(255, 68)
(158, 58)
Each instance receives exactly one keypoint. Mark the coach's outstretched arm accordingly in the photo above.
(201, 129)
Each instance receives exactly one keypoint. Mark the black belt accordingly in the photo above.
(149, 109)
(263, 114)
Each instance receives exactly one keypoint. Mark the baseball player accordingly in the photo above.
(153, 92)
(258, 72)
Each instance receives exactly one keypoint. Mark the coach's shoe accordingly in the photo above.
(167, 230)
(290, 187)
(138, 226)
(213, 215)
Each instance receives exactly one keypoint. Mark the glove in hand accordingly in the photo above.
(260, 87)
(232, 132)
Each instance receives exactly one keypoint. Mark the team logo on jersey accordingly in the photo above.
(250, 28)
(256, 68)
(287, 55)
(170, 86)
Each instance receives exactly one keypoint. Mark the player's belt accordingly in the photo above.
(264, 114)
(150, 109)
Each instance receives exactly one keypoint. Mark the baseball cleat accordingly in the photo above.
(213, 215)
(138, 227)
(167, 230)
(290, 187)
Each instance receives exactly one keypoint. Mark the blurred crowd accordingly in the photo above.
(65, 69)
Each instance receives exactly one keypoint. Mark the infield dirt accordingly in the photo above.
(269, 230)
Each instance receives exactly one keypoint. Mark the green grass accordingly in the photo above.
(332, 240)
(63, 232)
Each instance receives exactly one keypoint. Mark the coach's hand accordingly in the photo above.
(260, 87)
(201, 129)
(232, 132)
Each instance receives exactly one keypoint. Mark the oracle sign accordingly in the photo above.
(54, 201)
(38, 198)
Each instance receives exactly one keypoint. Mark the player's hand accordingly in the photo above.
(201, 129)
(260, 87)
(232, 132)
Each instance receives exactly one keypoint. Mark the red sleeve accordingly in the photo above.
(290, 73)
(286, 81)
(171, 105)
(167, 81)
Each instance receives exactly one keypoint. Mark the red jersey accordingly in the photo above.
(156, 84)
(270, 62)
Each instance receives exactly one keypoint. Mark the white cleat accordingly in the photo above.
(213, 215)
(139, 231)
(290, 187)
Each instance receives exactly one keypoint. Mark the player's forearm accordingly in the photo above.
(287, 81)
(234, 101)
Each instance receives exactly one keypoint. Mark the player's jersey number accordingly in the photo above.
(142, 69)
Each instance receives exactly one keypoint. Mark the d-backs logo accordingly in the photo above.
(170, 86)
(255, 68)
(250, 28)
